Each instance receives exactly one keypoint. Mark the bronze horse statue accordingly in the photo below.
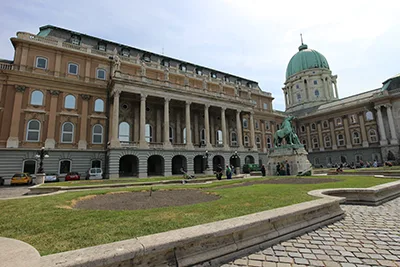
(286, 132)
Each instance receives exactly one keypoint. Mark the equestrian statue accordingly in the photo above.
(286, 132)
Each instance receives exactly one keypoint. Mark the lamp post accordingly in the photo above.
(41, 154)
(236, 158)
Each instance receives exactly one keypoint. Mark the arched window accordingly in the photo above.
(325, 124)
(124, 130)
(29, 166)
(219, 138)
(315, 143)
(258, 142)
(171, 134)
(73, 68)
(64, 166)
(96, 163)
(184, 135)
(97, 137)
(339, 121)
(316, 92)
(203, 136)
(268, 142)
(267, 125)
(373, 137)
(340, 140)
(41, 63)
(369, 116)
(353, 119)
(37, 98)
(313, 126)
(245, 123)
(101, 74)
(33, 131)
(256, 124)
(234, 139)
(356, 138)
(67, 132)
(69, 102)
(148, 133)
(327, 141)
(302, 128)
(99, 105)
(246, 140)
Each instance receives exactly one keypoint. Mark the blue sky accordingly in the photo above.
(249, 38)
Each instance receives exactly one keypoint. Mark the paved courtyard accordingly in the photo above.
(13, 191)
(368, 236)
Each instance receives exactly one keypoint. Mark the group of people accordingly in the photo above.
(283, 168)
(229, 170)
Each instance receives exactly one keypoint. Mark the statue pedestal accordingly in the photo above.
(296, 156)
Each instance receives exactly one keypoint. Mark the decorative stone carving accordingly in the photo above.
(86, 97)
(54, 92)
(20, 88)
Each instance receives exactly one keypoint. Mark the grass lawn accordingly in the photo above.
(120, 180)
(371, 169)
(48, 224)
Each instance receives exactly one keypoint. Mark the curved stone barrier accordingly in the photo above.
(213, 243)
(375, 195)
(15, 253)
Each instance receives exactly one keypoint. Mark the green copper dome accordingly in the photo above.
(306, 59)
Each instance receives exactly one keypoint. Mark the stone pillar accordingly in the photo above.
(142, 140)
(239, 130)
(223, 126)
(381, 128)
(207, 125)
(136, 128)
(392, 128)
(363, 131)
(178, 128)
(252, 132)
(333, 136)
(306, 88)
(286, 97)
(159, 134)
(212, 131)
(167, 143)
(309, 144)
(196, 128)
(13, 140)
(24, 58)
(51, 128)
(115, 121)
(336, 91)
(326, 89)
(321, 140)
(263, 137)
(189, 144)
(82, 144)
(347, 132)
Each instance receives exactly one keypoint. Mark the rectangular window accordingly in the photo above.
(73, 68)
(65, 166)
(315, 82)
(41, 63)
(265, 106)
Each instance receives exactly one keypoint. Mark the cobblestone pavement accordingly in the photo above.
(13, 191)
(368, 236)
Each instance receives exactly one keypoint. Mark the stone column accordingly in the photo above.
(212, 131)
(82, 144)
(333, 136)
(207, 125)
(306, 88)
(347, 132)
(136, 128)
(189, 144)
(159, 134)
(263, 137)
(167, 143)
(309, 144)
(321, 140)
(239, 130)
(87, 70)
(286, 97)
(363, 131)
(24, 58)
(178, 127)
(196, 128)
(392, 128)
(223, 126)
(252, 132)
(13, 140)
(142, 140)
(336, 91)
(326, 89)
(51, 128)
(381, 128)
(115, 121)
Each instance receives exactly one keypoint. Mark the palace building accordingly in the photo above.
(96, 103)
